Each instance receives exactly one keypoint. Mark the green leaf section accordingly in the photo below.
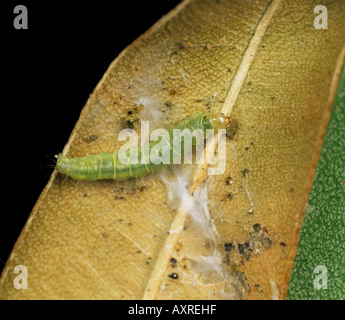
(319, 266)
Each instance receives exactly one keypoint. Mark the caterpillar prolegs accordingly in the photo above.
(108, 165)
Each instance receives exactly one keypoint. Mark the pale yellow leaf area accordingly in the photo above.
(234, 236)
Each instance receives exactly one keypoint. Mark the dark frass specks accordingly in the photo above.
(228, 181)
(257, 227)
(131, 116)
(259, 240)
(173, 276)
(229, 247)
(91, 138)
(244, 172)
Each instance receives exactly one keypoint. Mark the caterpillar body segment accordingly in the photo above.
(108, 165)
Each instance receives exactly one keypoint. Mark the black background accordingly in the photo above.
(48, 73)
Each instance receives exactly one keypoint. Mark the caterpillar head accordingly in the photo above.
(216, 121)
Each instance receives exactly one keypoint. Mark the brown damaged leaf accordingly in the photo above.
(235, 237)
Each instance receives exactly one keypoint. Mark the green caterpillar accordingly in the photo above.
(107, 165)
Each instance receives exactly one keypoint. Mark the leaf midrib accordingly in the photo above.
(200, 175)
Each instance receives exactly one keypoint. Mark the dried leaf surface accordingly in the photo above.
(235, 237)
